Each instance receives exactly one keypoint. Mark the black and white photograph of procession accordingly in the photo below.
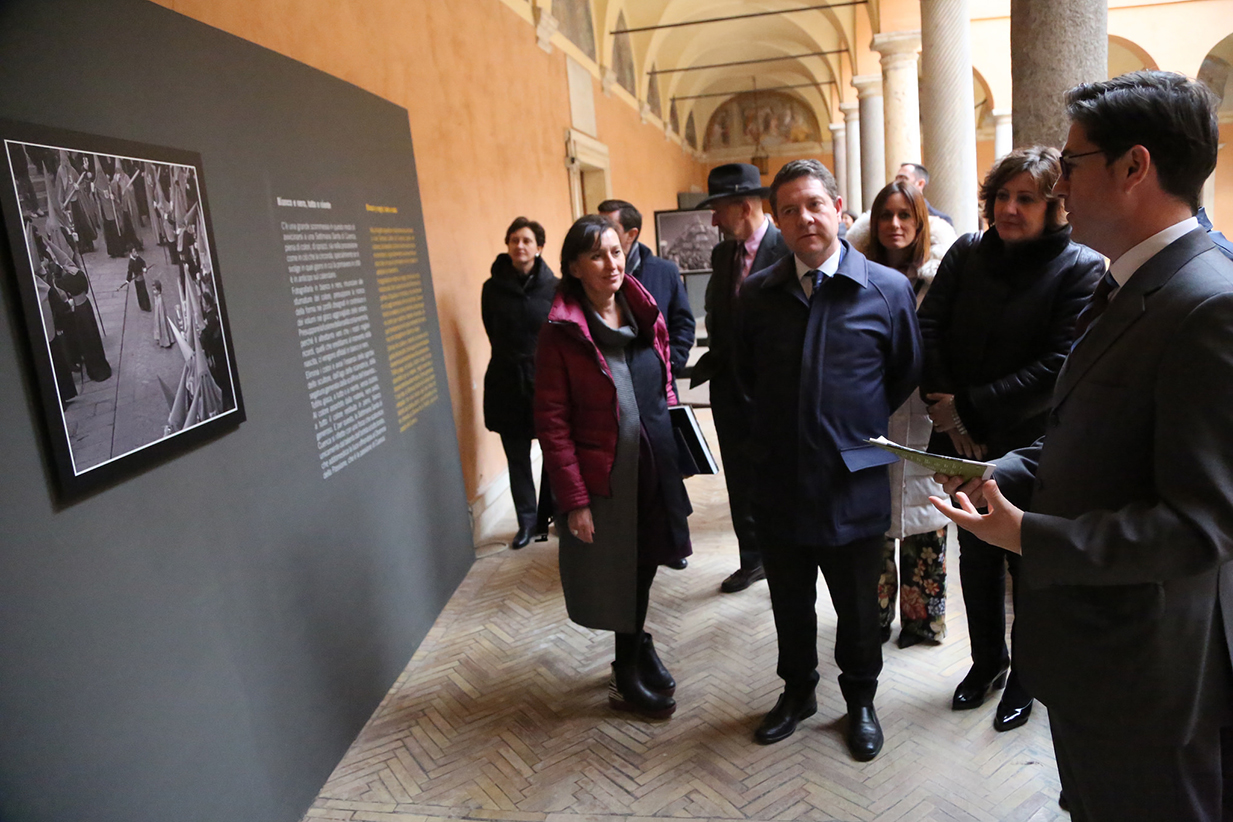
(686, 238)
(128, 298)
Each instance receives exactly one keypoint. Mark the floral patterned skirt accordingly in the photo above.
(920, 582)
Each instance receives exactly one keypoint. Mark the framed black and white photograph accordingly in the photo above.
(114, 260)
(686, 237)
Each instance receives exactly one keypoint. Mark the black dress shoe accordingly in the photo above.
(864, 733)
(886, 632)
(1011, 715)
(907, 639)
(741, 578)
(1061, 801)
(523, 538)
(780, 723)
(677, 564)
(975, 689)
(651, 671)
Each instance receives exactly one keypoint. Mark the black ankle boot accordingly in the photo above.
(652, 672)
(626, 692)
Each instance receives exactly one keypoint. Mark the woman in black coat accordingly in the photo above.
(997, 325)
(514, 304)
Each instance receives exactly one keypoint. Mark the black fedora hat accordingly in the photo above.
(733, 180)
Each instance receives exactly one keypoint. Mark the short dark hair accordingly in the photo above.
(919, 252)
(583, 237)
(1043, 164)
(1171, 116)
(918, 170)
(628, 216)
(520, 223)
(796, 169)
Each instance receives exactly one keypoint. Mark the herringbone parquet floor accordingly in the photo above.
(502, 715)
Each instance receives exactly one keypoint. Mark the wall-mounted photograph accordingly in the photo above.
(686, 237)
(114, 260)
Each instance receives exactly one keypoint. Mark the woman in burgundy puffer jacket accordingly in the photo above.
(603, 385)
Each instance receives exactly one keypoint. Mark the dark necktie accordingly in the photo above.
(818, 279)
(1095, 306)
(738, 267)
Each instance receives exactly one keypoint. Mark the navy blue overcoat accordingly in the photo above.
(822, 377)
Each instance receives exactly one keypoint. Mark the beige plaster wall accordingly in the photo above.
(488, 112)
(1222, 212)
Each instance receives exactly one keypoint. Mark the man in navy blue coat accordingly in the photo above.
(659, 276)
(827, 348)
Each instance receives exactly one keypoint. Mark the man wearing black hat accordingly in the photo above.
(753, 242)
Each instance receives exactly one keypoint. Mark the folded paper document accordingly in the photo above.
(950, 466)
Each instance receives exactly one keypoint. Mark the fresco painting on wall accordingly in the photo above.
(769, 117)
(691, 133)
(574, 21)
(652, 95)
(623, 59)
(113, 252)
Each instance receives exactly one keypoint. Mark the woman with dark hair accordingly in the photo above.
(514, 304)
(899, 233)
(602, 390)
(997, 325)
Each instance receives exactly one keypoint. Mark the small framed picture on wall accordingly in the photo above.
(686, 237)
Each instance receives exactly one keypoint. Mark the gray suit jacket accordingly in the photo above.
(1129, 537)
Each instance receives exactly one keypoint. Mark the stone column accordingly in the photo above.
(1003, 135)
(901, 97)
(873, 149)
(949, 121)
(839, 153)
(1054, 45)
(852, 119)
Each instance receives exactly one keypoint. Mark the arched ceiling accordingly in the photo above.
(821, 80)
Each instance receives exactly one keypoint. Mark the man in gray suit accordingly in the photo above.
(752, 243)
(1123, 512)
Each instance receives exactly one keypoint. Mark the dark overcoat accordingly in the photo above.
(823, 375)
(662, 279)
(997, 323)
(513, 312)
(718, 362)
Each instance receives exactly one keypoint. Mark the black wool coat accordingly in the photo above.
(997, 324)
(513, 312)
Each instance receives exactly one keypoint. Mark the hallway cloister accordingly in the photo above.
(502, 714)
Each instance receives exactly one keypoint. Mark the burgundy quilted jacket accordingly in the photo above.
(575, 397)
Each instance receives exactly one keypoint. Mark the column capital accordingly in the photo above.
(896, 45)
(867, 85)
(838, 128)
(1000, 115)
(851, 110)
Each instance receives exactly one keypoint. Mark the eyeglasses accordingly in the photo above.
(1068, 161)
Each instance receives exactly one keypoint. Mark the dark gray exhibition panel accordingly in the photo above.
(202, 639)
